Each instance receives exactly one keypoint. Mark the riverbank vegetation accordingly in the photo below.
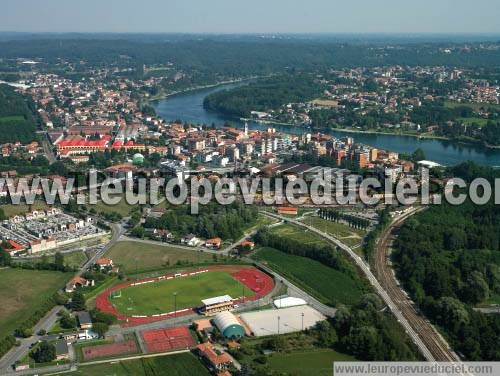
(264, 95)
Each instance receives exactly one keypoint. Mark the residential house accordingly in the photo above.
(78, 282)
(104, 263)
(213, 243)
(217, 360)
(84, 320)
(62, 350)
(190, 240)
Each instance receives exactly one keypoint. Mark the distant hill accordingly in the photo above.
(17, 122)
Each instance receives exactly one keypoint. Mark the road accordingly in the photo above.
(436, 344)
(47, 146)
(365, 269)
(17, 352)
(222, 251)
(118, 231)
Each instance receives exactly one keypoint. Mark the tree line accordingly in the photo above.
(213, 220)
(447, 257)
(338, 216)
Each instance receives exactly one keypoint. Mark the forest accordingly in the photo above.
(247, 55)
(264, 95)
(213, 220)
(17, 122)
(448, 258)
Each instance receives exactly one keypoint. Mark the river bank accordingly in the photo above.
(189, 108)
(163, 96)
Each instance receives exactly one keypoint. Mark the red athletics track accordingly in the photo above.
(256, 280)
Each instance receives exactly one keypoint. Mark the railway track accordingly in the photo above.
(383, 271)
(430, 343)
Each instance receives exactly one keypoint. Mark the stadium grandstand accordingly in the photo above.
(217, 304)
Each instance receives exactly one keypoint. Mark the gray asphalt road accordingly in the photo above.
(17, 352)
(371, 278)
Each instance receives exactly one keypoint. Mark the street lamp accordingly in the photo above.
(302, 314)
(278, 325)
(175, 304)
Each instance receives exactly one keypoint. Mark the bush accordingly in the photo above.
(44, 353)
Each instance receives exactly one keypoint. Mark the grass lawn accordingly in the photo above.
(344, 233)
(472, 120)
(11, 209)
(151, 256)
(327, 284)
(74, 259)
(474, 106)
(173, 365)
(313, 362)
(158, 297)
(21, 291)
(122, 208)
(494, 299)
(15, 118)
(298, 233)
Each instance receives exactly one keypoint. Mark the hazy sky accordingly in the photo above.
(237, 16)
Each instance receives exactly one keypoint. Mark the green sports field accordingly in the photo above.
(145, 257)
(310, 362)
(327, 284)
(158, 297)
(173, 365)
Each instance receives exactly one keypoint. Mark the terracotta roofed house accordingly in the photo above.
(104, 263)
(213, 243)
(217, 361)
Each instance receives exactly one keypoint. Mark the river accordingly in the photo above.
(188, 107)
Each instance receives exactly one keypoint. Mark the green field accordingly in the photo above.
(122, 208)
(21, 291)
(151, 256)
(173, 365)
(474, 106)
(72, 259)
(326, 284)
(11, 209)
(298, 233)
(472, 120)
(158, 297)
(314, 362)
(344, 233)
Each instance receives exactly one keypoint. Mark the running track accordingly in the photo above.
(256, 280)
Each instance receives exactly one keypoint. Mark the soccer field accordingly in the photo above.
(158, 297)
